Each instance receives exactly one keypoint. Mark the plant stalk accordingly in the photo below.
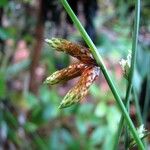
(101, 64)
(133, 62)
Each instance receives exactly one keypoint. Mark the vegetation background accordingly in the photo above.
(29, 114)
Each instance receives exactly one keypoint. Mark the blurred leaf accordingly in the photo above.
(49, 112)
(4, 34)
(14, 69)
(46, 95)
(98, 135)
(60, 139)
(143, 66)
(36, 116)
(30, 127)
(3, 129)
(102, 40)
(109, 140)
(85, 118)
(113, 117)
(10, 118)
(95, 91)
(3, 3)
(49, 100)
(86, 110)
(32, 100)
(137, 80)
(2, 85)
(101, 109)
(49, 96)
(82, 126)
(39, 142)
(28, 38)
(12, 136)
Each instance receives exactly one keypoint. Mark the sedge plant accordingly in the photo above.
(91, 71)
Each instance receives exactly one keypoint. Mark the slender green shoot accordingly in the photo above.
(133, 62)
(101, 64)
(138, 112)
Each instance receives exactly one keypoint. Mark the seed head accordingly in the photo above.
(86, 68)
(80, 90)
(78, 51)
(66, 74)
(126, 65)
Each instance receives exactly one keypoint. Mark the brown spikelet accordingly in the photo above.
(66, 74)
(80, 52)
(79, 91)
(86, 68)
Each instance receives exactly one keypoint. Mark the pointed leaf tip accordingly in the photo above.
(65, 104)
(61, 106)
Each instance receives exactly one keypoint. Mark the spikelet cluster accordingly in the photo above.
(126, 65)
(86, 68)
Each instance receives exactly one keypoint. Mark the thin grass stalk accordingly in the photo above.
(121, 123)
(133, 63)
(138, 112)
(101, 64)
(139, 116)
(127, 105)
(126, 136)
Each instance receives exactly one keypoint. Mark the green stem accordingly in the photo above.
(126, 136)
(127, 104)
(133, 62)
(100, 62)
(121, 122)
(138, 112)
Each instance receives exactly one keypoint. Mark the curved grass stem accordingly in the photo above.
(101, 64)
